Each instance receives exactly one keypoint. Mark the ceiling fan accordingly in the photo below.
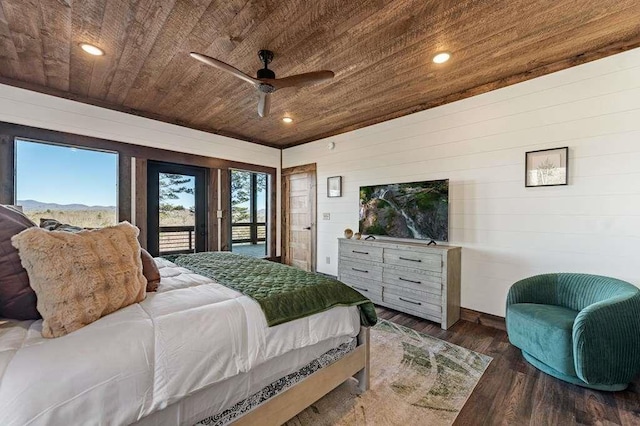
(266, 81)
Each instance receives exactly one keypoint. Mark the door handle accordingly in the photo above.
(308, 228)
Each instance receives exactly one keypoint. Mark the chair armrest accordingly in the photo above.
(606, 340)
(536, 289)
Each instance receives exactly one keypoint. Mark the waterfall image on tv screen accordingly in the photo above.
(406, 210)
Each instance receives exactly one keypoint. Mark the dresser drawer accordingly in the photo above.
(420, 282)
(368, 288)
(412, 303)
(361, 251)
(413, 259)
(366, 270)
(417, 294)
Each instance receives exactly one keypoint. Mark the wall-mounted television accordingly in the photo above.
(417, 210)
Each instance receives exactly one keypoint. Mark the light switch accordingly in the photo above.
(326, 216)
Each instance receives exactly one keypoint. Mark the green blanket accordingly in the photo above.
(283, 292)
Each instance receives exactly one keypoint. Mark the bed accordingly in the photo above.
(195, 352)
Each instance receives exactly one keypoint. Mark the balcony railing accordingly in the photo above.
(177, 239)
(248, 232)
(182, 239)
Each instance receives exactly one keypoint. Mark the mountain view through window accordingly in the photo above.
(72, 185)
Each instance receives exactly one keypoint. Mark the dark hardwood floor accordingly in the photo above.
(512, 392)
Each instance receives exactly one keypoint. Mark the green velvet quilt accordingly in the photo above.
(283, 292)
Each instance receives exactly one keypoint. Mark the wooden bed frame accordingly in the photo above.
(289, 403)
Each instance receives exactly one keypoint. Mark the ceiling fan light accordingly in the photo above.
(287, 119)
(441, 57)
(91, 49)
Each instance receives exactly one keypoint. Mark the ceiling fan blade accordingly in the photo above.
(300, 80)
(224, 67)
(264, 104)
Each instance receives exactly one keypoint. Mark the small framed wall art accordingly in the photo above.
(334, 186)
(547, 167)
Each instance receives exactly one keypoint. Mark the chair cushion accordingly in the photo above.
(545, 332)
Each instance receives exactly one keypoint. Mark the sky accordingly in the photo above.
(187, 200)
(184, 199)
(63, 175)
(261, 199)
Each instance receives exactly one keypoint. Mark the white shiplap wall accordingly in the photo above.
(48, 112)
(507, 231)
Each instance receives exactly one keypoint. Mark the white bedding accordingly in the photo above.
(190, 335)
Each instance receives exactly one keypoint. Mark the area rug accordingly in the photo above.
(416, 379)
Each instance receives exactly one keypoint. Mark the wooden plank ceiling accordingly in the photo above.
(380, 50)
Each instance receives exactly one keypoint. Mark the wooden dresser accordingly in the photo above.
(410, 277)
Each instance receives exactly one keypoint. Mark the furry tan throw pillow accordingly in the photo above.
(81, 277)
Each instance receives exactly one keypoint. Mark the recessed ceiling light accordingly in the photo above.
(287, 120)
(91, 49)
(441, 57)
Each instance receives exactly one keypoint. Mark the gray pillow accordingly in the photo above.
(17, 298)
(54, 225)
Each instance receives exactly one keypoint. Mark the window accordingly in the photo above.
(72, 185)
(249, 213)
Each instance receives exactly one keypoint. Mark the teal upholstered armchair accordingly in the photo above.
(583, 329)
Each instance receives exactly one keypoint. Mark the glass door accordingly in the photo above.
(249, 213)
(176, 208)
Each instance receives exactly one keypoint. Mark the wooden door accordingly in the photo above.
(299, 216)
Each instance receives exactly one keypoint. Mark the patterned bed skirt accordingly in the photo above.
(280, 385)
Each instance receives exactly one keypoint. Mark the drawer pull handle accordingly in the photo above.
(409, 301)
(410, 260)
(360, 270)
(409, 281)
(360, 288)
(359, 252)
